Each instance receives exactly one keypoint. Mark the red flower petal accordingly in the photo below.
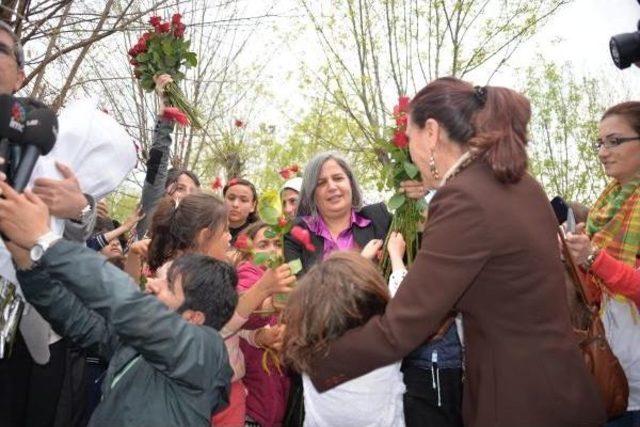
(303, 236)
(243, 242)
(216, 184)
(400, 140)
(175, 114)
(238, 123)
(403, 103)
(175, 19)
(285, 173)
(155, 21)
(233, 181)
(165, 27)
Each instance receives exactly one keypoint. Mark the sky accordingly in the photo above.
(579, 33)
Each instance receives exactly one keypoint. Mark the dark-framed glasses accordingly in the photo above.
(613, 142)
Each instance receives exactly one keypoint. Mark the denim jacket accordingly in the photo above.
(446, 352)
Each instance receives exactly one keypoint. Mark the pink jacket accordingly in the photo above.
(267, 393)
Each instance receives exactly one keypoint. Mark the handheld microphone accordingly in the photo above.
(39, 137)
(12, 120)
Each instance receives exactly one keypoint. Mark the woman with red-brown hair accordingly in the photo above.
(489, 251)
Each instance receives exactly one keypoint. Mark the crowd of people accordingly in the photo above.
(160, 320)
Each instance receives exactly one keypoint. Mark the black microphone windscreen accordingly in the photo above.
(12, 118)
(41, 130)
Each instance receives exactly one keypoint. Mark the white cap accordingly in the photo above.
(294, 184)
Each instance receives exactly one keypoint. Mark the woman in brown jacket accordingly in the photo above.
(489, 252)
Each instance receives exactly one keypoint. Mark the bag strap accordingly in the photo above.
(577, 277)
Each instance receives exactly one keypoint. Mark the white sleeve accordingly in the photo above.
(395, 280)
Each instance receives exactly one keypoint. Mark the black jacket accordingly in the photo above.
(380, 222)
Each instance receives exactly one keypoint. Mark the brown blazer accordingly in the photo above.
(490, 252)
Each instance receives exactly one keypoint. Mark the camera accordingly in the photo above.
(625, 48)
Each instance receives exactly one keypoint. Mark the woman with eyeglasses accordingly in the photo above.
(607, 247)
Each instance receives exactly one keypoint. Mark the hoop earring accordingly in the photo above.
(432, 167)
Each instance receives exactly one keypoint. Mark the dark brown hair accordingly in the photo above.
(630, 111)
(253, 216)
(174, 174)
(492, 121)
(175, 228)
(340, 293)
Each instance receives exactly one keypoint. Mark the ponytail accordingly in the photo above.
(490, 121)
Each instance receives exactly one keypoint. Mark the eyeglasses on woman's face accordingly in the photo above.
(612, 142)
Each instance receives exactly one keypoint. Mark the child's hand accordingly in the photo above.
(396, 245)
(270, 337)
(372, 249)
(277, 280)
(141, 248)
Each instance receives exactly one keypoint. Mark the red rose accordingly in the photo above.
(179, 30)
(400, 140)
(401, 121)
(294, 168)
(238, 123)
(286, 173)
(175, 19)
(303, 237)
(243, 242)
(165, 27)
(175, 114)
(216, 184)
(403, 103)
(132, 52)
(155, 21)
(282, 221)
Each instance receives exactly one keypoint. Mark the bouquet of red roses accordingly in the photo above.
(164, 50)
(407, 212)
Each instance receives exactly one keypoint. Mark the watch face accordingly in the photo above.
(36, 253)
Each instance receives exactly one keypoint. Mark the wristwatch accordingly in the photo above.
(591, 259)
(84, 214)
(42, 244)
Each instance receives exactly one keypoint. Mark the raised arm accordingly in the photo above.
(65, 312)
(158, 162)
(181, 350)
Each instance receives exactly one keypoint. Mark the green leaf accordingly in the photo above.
(396, 201)
(270, 234)
(260, 258)
(269, 215)
(295, 266)
(167, 48)
(191, 58)
(410, 169)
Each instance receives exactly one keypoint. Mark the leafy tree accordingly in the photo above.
(378, 50)
(566, 110)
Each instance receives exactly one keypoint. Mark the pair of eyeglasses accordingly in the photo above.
(613, 142)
